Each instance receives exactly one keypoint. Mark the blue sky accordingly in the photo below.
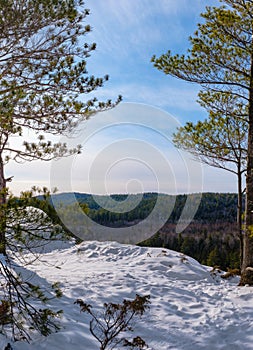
(127, 34)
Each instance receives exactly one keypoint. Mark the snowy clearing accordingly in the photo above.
(190, 308)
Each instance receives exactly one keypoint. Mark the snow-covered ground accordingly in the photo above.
(190, 308)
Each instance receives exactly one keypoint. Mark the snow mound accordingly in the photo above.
(189, 308)
(155, 260)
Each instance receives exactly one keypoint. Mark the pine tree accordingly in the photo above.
(220, 60)
(221, 142)
(44, 85)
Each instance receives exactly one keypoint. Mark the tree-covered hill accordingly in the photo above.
(214, 207)
(211, 237)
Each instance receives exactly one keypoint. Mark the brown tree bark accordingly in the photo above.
(239, 211)
(2, 209)
(247, 264)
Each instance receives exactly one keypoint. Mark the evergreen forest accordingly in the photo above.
(211, 237)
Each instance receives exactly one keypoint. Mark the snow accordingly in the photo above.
(191, 308)
(2, 259)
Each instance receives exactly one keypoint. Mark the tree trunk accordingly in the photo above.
(247, 265)
(2, 209)
(239, 212)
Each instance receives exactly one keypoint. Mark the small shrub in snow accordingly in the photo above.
(5, 312)
(247, 278)
(115, 319)
(183, 259)
(231, 273)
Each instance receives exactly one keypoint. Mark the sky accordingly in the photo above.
(129, 149)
